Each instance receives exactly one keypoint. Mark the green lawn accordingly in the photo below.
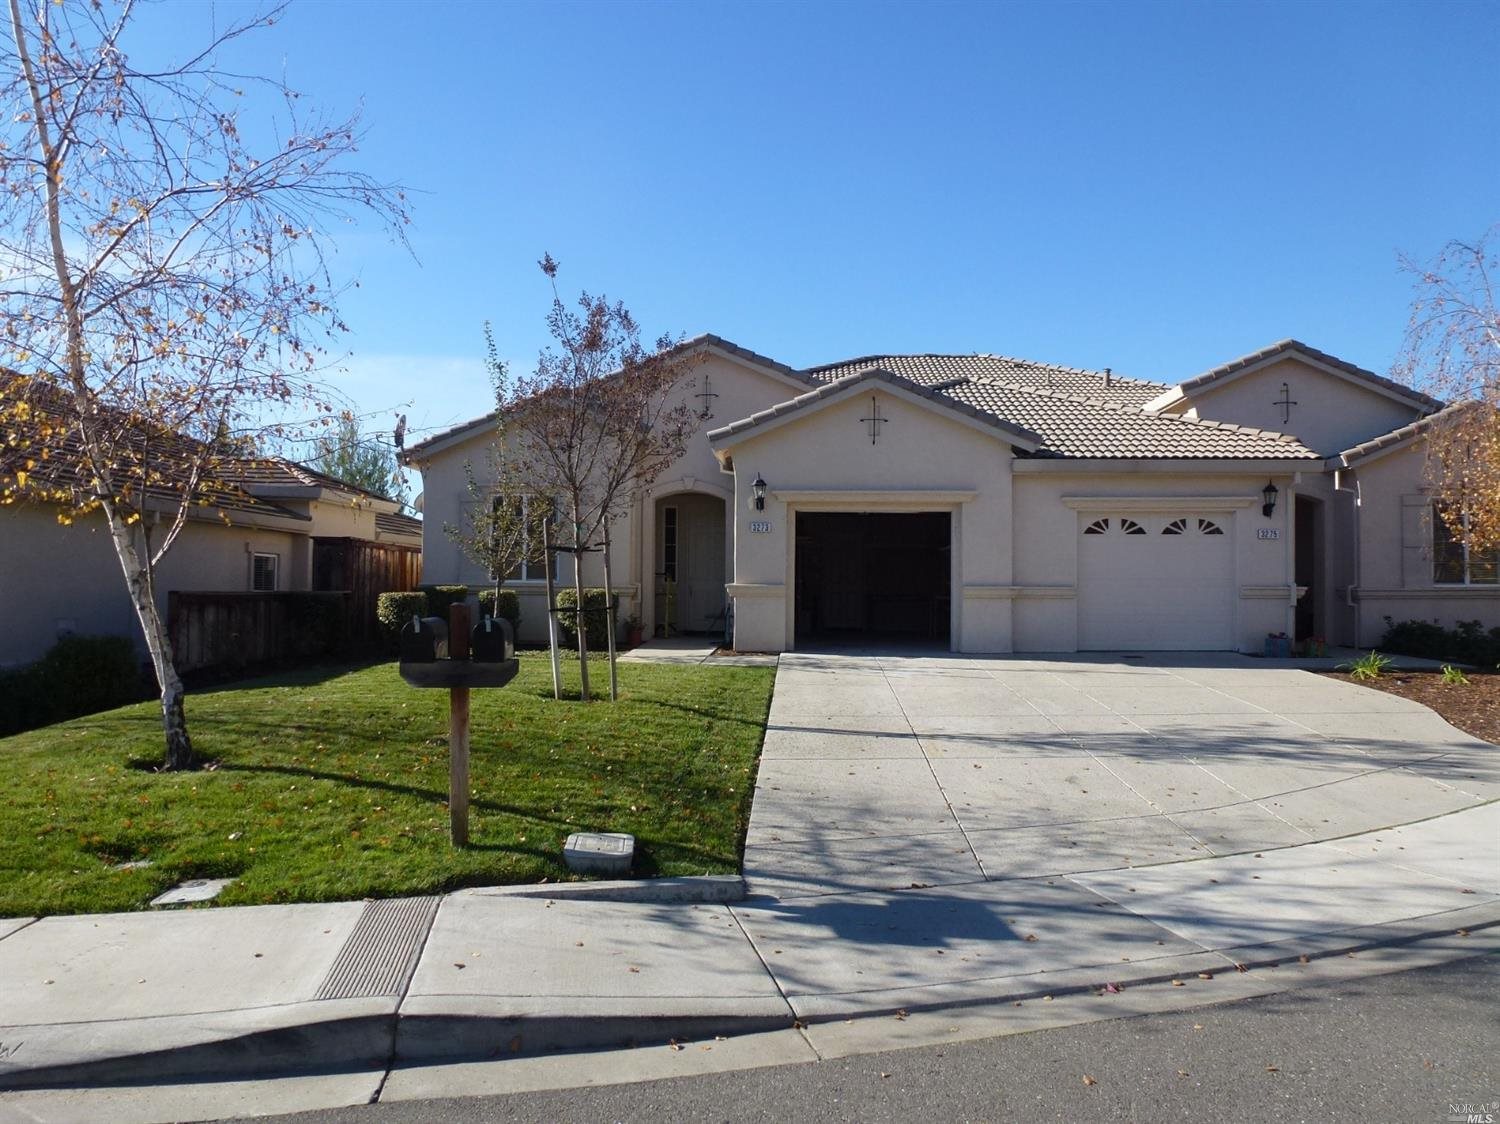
(332, 784)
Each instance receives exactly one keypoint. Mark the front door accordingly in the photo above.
(690, 563)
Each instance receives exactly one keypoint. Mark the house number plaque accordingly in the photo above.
(1268, 532)
(760, 527)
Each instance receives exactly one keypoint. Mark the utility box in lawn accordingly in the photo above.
(438, 653)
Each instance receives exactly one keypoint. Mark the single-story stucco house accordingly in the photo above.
(274, 526)
(990, 504)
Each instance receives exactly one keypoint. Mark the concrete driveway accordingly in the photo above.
(885, 772)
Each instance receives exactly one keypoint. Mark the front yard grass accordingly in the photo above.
(332, 784)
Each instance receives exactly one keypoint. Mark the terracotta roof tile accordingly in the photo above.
(1077, 413)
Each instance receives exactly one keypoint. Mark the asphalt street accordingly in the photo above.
(1417, 1046)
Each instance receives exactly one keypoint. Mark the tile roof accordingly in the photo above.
(397, 523)
(1366, 449)
(1291, 346)
(703, 340)
(229, 483)
(831, 389)
(1077, 413)
(930, 370)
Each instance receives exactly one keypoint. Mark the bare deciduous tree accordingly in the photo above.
(592, 428)
(165, 290)
(1452, 351)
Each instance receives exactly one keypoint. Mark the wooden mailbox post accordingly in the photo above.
(438, 653)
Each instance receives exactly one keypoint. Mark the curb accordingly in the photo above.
(354, 1042)
(704, 889)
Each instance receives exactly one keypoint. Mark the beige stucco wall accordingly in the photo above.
(1332, 413)
(55, 578)
(923, 456)
(741, 389)
(1395, 550)
(1047, 533)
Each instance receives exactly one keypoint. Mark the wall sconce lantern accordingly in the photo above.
(758, 486)
(1268, 494)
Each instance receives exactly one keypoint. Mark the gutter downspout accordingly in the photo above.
(1353, 587)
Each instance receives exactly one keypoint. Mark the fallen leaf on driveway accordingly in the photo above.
(1178, 983)
(1304, 959)
(1272, 1069)
(1087, 1080)
(1031, 936)
(674, 1044)
(1205, 975)
(1113, 989)
(901, 1014)
(1183, 1073)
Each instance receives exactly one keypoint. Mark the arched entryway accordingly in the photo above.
(689, 563)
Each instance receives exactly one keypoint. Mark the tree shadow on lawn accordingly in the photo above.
(427, 795)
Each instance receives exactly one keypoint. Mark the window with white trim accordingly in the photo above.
(263, 572)
(533, 567)
(1453, 563)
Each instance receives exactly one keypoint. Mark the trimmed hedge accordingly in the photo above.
(78, 675)
(596, 618)
(510, 607)
(393, 610)
(439, 597)
(1467, 642)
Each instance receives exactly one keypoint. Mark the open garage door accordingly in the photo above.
(1155, 583)
(872, 575)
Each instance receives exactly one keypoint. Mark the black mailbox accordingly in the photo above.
(424, 640)
(492, 641)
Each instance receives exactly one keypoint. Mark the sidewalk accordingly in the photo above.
(483, 974)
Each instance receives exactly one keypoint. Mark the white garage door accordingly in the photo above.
(1155, 582)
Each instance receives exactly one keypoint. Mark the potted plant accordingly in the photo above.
(633, 631)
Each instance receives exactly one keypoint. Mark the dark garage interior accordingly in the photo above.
(863, 575)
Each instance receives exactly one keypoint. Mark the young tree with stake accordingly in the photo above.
(592, 428)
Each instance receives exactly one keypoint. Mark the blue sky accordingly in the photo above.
(1156, 188)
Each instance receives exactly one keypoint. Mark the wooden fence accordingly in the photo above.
(225, 631)
(365, 570)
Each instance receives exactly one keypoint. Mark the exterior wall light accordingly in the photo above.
(758, 486)
(1268, 494)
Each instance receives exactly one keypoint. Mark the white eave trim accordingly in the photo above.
(1159, 503)
(726, 438)
(1176, 395)
(908, 498)
(1273, 466)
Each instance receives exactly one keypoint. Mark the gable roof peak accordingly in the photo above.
(1284, 348)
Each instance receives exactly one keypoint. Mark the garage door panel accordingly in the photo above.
(1155, 591)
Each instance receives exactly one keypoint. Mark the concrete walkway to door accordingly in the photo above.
(884, 771)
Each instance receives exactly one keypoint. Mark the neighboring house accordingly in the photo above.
(273, 525)
(998, 505)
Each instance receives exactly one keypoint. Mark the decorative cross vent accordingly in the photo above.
(707, 395)
(874, 419)
(1286, 403)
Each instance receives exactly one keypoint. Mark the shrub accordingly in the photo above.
(1453, 677)
(393, 610)
(510, 606)
(595, 614)
(78, 675)
(1467, 642)
(439, 597)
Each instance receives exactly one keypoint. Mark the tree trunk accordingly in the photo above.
(609, 626)
(556, 656)
(179, 747)
(583, 642)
